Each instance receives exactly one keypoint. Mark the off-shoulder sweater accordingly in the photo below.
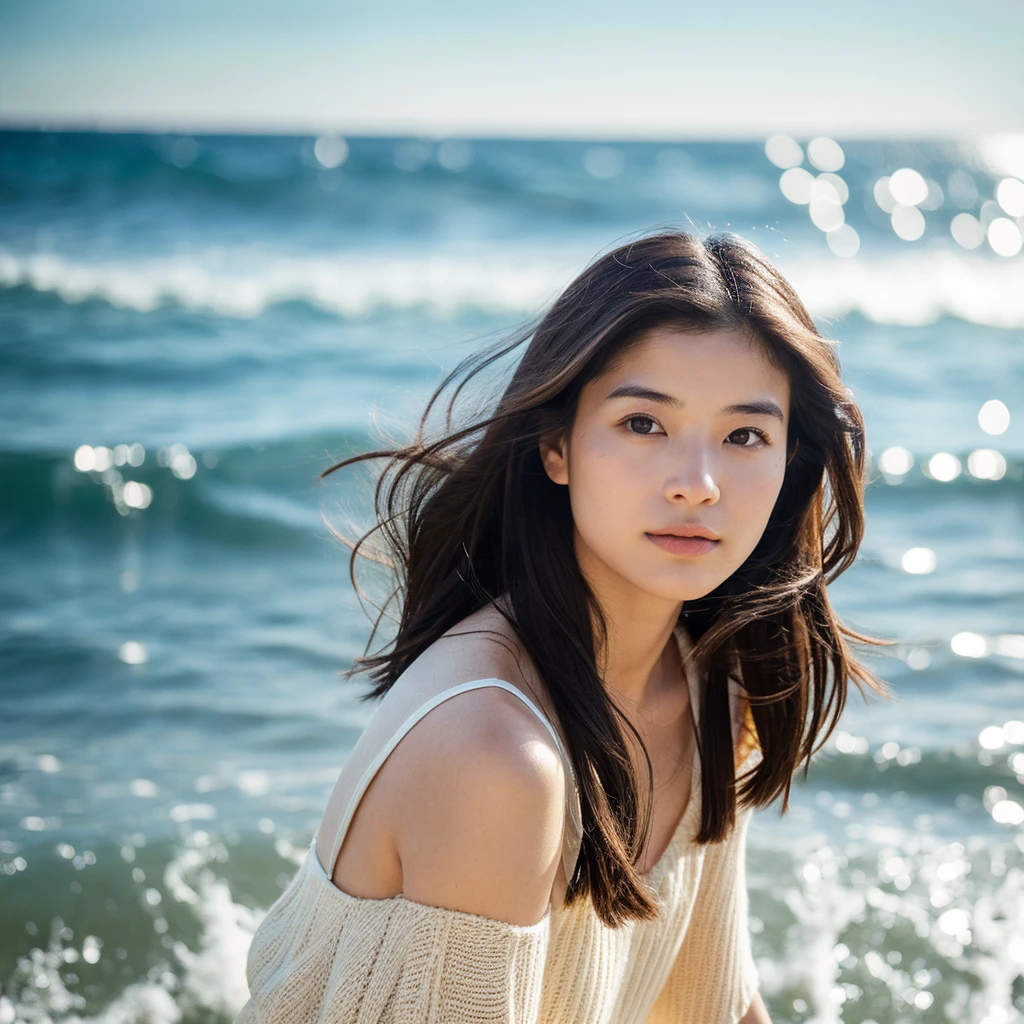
(323, 956)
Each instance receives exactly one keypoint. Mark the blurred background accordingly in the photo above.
(230, 232)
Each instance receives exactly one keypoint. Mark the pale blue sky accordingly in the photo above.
(651, 68)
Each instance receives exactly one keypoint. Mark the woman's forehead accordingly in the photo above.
(723, 360)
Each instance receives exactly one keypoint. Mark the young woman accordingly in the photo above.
(614, 641)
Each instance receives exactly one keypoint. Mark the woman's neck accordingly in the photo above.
(637, 661)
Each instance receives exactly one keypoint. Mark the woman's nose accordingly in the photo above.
(693, 478)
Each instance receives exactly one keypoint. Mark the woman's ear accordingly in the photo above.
(553, 455)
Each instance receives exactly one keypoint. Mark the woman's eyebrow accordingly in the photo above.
(762, 407)
(639, 391)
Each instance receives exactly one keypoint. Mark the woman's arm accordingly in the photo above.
(758, 1012)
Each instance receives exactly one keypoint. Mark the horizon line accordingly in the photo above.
(472, 133)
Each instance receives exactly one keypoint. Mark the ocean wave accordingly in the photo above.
(42, 487)
(904, 289)
(348, 285)
(915, 289)
(203, 980)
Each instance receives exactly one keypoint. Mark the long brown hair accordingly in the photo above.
(469, 514)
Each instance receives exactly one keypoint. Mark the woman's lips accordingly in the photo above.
(682, 545)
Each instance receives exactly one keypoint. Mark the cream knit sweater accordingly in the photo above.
(322, 956)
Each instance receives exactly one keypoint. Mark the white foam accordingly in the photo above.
(964, 905)
(207, 979)
(214, 975)
(907, 288)
(823, 908)
(41, 997)
(347, 285)
(914, 289)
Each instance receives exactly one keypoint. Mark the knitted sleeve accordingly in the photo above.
(340, 959)
(714, 978)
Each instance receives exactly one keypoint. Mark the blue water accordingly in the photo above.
(173, 716)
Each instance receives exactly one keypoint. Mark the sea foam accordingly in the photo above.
(902, 289)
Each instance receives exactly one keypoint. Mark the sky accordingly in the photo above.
(559, 68)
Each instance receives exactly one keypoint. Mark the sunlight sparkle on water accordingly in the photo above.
(85, 458)
(133, 653)
(847, 743)
(952, 922)
(994, 417)
(986, 464)
(826, 214)
(839, 190)
(103, 458)
(918, 561)
(1009, 645)
(883, 195)
(969, 645)
(843, 240)
(896, 461)
(1004, 236)
(1010, 196)
(989, 211)
(1008, 812)
(943, 466)
(330, 151)
(991, 737)
(1013, 732)
(919, 658)
(136, 495)
(91, 949)
(783, 151)
(967, 231)
(907, 222)
(796, 185)
(823, 188)
(179, 460)
(908, 186)
(825, 154)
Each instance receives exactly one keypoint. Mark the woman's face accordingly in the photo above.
(685, 431)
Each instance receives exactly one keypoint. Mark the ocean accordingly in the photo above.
(192, 329)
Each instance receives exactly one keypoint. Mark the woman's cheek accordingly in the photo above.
(762, 495)
(607, 483)
(607, 463)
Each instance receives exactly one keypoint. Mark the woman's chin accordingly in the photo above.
(682, 590)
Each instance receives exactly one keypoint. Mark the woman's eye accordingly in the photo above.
(642, 425)
(745, 434)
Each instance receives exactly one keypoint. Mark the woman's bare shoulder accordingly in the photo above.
(480, 813)
(479, 785)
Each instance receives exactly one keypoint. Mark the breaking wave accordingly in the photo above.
(903, 289)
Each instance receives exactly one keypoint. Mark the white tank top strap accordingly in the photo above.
(573, 813)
